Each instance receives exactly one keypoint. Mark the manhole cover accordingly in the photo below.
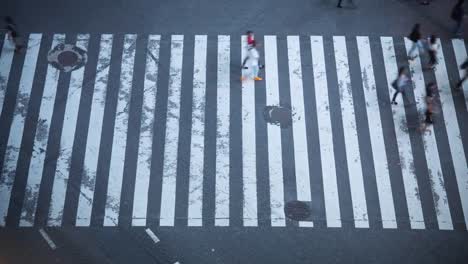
(67, 57)
(297, 210)
(278, 115)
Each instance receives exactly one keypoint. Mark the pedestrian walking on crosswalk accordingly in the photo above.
(415, 37)
(429, 99)
(253, 56)
(340, 1)
(250, 41)
(463, 66)
(432, 51)
(13, 33)
(400, 84)
(457, 15)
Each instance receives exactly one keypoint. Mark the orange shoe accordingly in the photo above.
(258, 78)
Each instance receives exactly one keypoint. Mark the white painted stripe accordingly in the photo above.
(353, 156)
(453, 131)
(249, 156)
(405, 151)
(168, 196)
(36, 165)
(145, 150)
(222, 132)
(460, 56)
(6, 59)
(430, 146)
(119, 143)
(195, 205)
(16, 133)
(382, 175)
(301, 152)
(327, 155)
(88, 180)
(47, 239)
(275, 158)
(151, 234)
(59, 187)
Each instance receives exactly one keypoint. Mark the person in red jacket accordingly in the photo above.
(250, 43)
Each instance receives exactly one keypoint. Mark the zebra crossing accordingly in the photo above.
(159, 130)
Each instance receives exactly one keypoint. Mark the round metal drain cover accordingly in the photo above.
(297, 210)
(67, 57)
(278, 115)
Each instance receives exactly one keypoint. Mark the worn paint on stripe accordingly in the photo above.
(168, 195)
(143, 169)
(405, 151)
(275, 158)
(47, 239)
(36, 165)
(222, 133)
(430, 146)
(88, 180)
(301, 152)
(119, 144)
(62, 170)
(382, 175)
(460, 55)
(6, 58)
(327, 155)
(16, 132)
(249, 156)
(353, 156)
(453, 130)
(197, 143)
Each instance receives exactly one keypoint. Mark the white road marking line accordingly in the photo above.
(47, 239)
(327, 155)
(301, 151)
(460, 56)
(430, 146)
(59, 187)
(16, 132)
(453, 132)
(17, 127)
(152, 235)
(249, 157)
(119, 144)
(275, 158)
(222, 133)
(197, 144)
(36, 165)
(88, 180)
(143, 169)
(353, 156)
(168, 196)
(405, 151)
(382, 175)
(6, 60)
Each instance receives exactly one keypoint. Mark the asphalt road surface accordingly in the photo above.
(127, 135)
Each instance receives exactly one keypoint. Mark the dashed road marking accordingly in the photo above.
(152, 235)
(47, 239)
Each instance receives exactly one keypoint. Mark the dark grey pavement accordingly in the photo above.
(233, 244)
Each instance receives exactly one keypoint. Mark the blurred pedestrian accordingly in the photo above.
(250, 41)
(457, 15)
(13, 33)
(432, 51)
(463, 66)
(401, 84)
(429, 99)
(340, 1)
(253, 58)
(415, 37)
(424, 2)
